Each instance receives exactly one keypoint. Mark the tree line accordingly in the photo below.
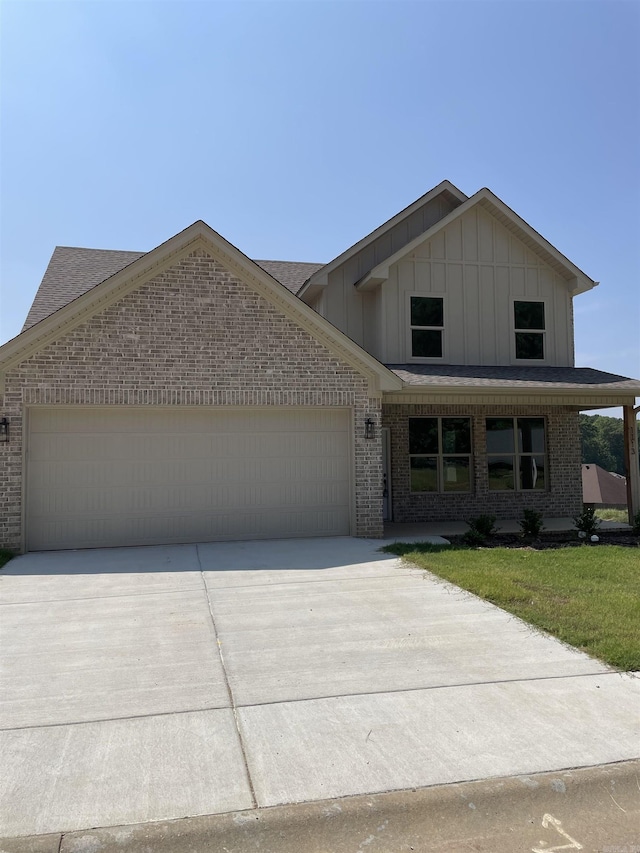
(603, 442)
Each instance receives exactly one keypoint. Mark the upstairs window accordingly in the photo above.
(529, 329)
(440, 454)
(427, 325)
(516, 454)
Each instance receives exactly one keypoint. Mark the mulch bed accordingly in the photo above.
(556, 539)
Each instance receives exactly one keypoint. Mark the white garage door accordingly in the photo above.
(103, 477)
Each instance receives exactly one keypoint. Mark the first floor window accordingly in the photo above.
(440, 454)
(427, 324)
(516, 454)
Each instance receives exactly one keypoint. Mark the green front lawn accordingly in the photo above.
(5, 556)
(588, 596)
(613, 515)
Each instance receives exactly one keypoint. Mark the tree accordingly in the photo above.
(603, 442)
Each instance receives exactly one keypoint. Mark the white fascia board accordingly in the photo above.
(321, 278)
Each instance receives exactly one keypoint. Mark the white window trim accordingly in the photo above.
(440, 456)
(543, 332)
(422, 359)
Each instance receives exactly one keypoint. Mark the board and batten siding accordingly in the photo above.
(480, 268)
(357, 314)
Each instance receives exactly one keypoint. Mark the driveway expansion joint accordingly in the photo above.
(432, 687)
(228, 686)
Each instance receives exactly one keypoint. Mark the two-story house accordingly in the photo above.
(192, 394)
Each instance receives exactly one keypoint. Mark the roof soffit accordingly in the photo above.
(198, 235)
(577, 281)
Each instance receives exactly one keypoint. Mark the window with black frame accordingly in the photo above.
(427, 326)
(529, 325)
(516, 454)
(440, 454)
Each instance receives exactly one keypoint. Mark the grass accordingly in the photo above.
(587, 596)
(5, 556)
(613, 515)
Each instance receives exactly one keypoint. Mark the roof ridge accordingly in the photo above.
(94, 249)
(276, 261)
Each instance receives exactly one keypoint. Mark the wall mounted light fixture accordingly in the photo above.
(4, 430)
(369, 429)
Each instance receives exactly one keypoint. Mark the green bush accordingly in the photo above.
(473, 538)
(531, 524)
(484, 524)
(635, 524)
(480, 528)
(587, 522)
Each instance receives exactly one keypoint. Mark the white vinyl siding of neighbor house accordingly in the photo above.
(482, 268)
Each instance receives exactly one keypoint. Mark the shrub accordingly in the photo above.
(480, 528)
(587, 522)
(531, 524)
(635, 524)
(484, 524)
(474, 538)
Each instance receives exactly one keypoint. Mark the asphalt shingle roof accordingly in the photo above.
(601, 487)
(528, 378)
(73, 271)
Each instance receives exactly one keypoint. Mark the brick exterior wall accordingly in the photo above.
(563, 497)
(195, 335)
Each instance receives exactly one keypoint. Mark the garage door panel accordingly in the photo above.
(127, 476)
(290, 497)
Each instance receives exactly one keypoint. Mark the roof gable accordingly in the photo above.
(445, 189)
(73, 271)
(145, 267)
(578, 281)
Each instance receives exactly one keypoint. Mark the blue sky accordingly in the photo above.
(295, 128)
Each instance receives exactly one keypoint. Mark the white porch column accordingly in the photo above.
(631, 461)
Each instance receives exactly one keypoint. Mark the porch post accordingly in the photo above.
(631, 461)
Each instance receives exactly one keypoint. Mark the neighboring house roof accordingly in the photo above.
(73, 271)
(507, 217)
(602, 487)
(516, 378)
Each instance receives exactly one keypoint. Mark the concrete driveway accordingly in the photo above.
(143, 684)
